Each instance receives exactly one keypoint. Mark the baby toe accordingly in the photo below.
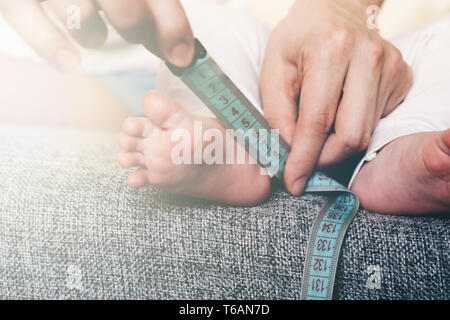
(163, 111)
(136, 127)
(138, 179)
(128, 143)
(131, 159)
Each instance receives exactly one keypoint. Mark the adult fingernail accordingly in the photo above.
(298, 185)
(67, 60)
(181, 55)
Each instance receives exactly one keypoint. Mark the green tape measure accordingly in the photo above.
(207, 80)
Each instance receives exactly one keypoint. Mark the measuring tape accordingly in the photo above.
(207, 80)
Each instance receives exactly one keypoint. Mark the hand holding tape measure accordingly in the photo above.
(161, 26)
(206, 79)
(327, 79)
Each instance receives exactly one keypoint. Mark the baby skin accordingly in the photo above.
(148, 144)
(410, 175)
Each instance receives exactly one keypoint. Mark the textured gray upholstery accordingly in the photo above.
(71, 228)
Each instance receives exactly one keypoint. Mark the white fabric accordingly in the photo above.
(237, 42)
(427, 106)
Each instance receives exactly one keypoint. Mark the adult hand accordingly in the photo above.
(324, 56)
(159, 25)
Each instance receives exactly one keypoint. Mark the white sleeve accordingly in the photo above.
(427, 106)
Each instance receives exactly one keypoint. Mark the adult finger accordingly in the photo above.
(402, 76)
(279, 86)
(131, 19)
(356, 112)
(34, 26)
(174, 35)
(318, 103)
(81, 19)
(396, 79)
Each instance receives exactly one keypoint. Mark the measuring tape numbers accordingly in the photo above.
(215, 89)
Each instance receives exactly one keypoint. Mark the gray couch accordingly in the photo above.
(71, 228)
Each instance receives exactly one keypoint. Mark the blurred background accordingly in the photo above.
(113, 80)
(396, 16)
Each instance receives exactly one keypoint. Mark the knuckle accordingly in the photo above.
(396, 64)
(356, 142)
(320, 123)
(375, 52)
(286, 127)
(396, 57)
(338, 36)
(337, 42)
(309, 56)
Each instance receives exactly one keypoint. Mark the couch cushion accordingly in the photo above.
(71, 228)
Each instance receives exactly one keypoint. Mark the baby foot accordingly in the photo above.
(148, 144)
(409, 175)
